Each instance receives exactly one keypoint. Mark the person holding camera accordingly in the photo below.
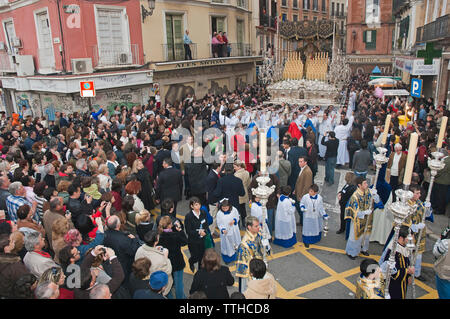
(332, 145)
(442, 264)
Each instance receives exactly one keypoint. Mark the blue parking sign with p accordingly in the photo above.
(416, 87)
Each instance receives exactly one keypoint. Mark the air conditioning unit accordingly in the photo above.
(82, 66)
(16, 42)
(124, 58)
(24, 65)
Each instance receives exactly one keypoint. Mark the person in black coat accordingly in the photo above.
(169, 183)
(125, 246)
(212, 278)
(229, 186)
(196, 226)
(173, 238)
(293, 153)
(139, 277)
(197, 173)
(211, 182)
(159, 158)
(344, 195)
(143, 175)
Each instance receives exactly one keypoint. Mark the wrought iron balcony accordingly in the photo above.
(232, 50)
(175, 52)
(436, 30)
(105, 57)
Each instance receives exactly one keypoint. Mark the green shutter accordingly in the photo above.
(374, 39)
(364, 36)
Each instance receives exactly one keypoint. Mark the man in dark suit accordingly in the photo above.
(159, 157)
(169, 183)
(229, 186)
(293, 153)
(124, 246)
(211, 183)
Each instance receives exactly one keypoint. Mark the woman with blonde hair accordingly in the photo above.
(57, 276)
(143, 224)
(62, 188)
(59, 229)
(103, 178)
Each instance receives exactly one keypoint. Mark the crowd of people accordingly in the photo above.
(99, 192)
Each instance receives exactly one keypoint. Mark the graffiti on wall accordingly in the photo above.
(111, 99)
(30, 101)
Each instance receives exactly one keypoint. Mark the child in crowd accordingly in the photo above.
(285, 232)
(230, 237)
(313, 215)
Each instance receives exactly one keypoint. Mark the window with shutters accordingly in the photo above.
(295, 4)
(10, 33)
(372, 11)
(45, 41)
(370, 39)
(324, 6)
(284, 3)
(113, 38)
(332, 9)
(174, 37)
(316, 5)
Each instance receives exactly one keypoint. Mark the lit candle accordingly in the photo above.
(262, 150)
(386, 129)
(442, 131)
(410, 159)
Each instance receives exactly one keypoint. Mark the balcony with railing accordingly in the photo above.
(6, 63)
(436, 30)
(231, 50)
(176, 52)
(106, 57)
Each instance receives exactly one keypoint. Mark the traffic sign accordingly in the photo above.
(87, 89)
(416, 87)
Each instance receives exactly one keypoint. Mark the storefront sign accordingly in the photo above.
(420, 68)
(416, 66)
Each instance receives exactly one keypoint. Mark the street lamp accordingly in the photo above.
(145, 12)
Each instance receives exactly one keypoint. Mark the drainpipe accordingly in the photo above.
(62, 50)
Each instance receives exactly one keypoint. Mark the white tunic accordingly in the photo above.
(313, 213)
(285, 226)
(342, 133)
(256, 211)
(231, 240)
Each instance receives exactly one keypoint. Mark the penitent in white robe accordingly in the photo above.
(230, 241)
(285, 226)
(342, 134)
